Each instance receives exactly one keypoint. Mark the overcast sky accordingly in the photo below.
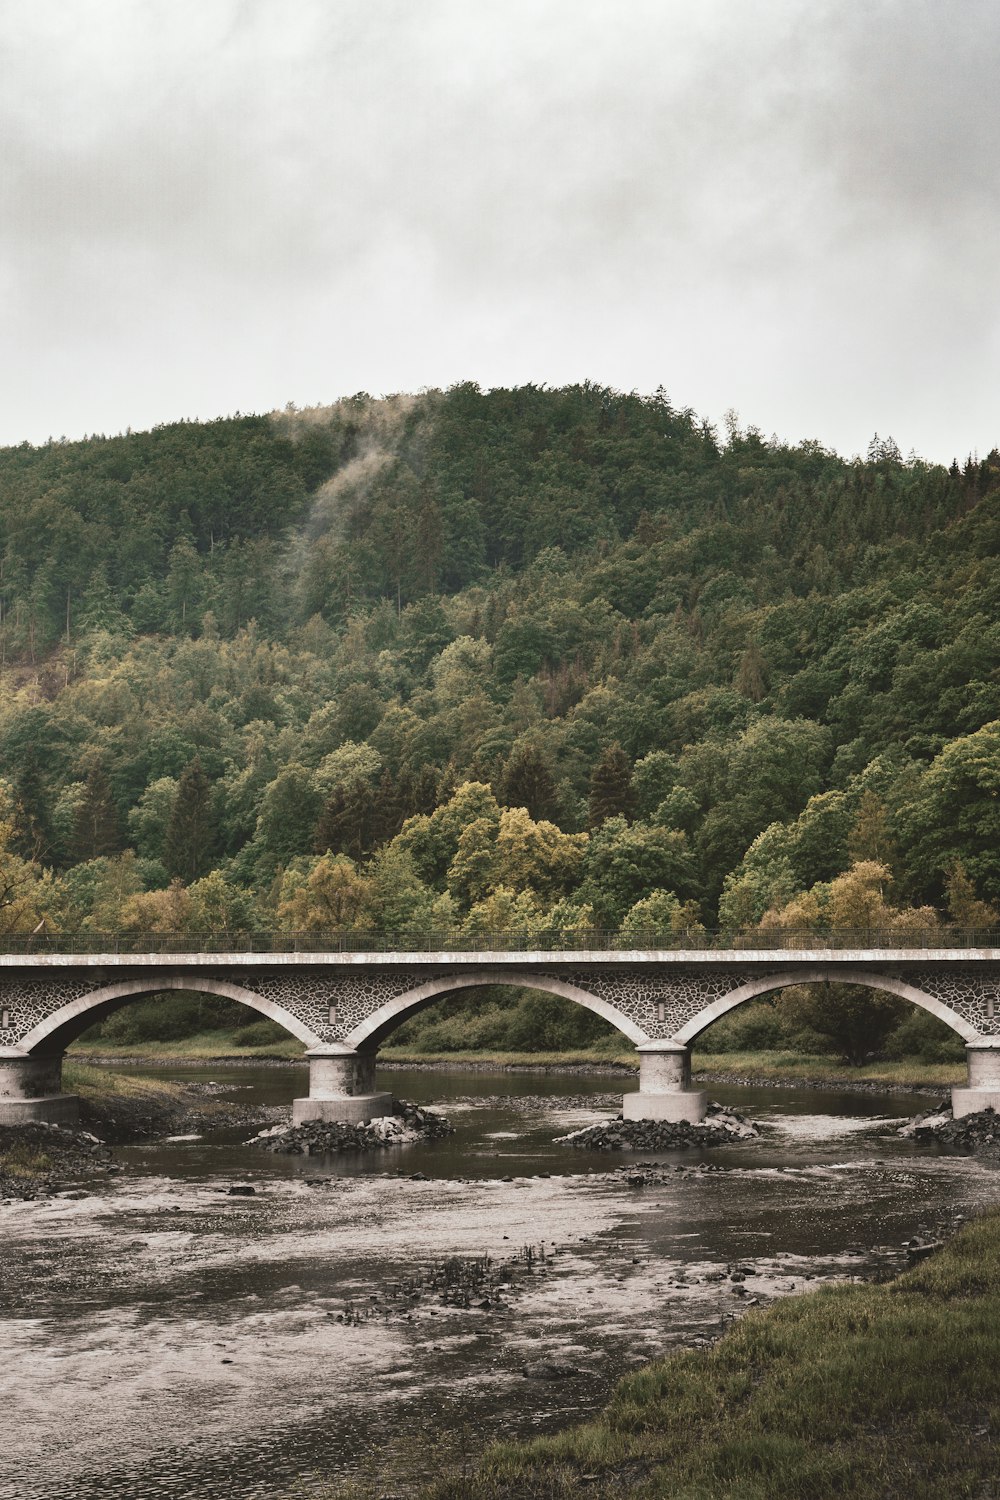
(790, 207)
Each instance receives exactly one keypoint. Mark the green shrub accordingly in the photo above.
(169, 1017)
(499, 1018)
(262, 1033)
(755, 1027)
(922, 1035)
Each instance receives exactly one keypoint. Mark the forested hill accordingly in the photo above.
(526, 658)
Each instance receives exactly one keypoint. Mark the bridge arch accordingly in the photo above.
(767, 984)
(54, 1033)
(371, 1033)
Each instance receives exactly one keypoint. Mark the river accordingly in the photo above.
(164, 1338)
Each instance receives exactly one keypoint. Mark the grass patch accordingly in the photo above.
(576, 1058)
(875, 1392)
(766, 1064)
(101, 1086)
(762, 1065)
(207, 1044)
(20, 1160)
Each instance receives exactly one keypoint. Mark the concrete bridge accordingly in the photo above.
(343, 1006)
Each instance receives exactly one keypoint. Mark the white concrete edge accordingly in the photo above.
(726, 957)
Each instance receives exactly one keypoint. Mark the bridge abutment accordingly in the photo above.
(31, 1089)
(983, 1090)
(341, 1088)
(665, 1091)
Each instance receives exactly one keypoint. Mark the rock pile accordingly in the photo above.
(408, 1122)
(37, 1160)
(719, 1126)
(978, 1132)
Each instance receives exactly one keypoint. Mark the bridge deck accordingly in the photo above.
(537, 958)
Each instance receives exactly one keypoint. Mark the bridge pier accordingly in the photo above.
(665, 1091)
(341, 1088)
(983, 1091)
(31, 1089)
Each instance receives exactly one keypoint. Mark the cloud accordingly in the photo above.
(788, 207)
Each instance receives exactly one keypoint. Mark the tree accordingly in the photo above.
(159, 911)
(512, 913)
(184, 584)
(289, 809)
(751, 674)
(870, 837)
(332, 897)
(854, 1022)
(217, 905)
(537, 856)
(625, 863)
(402, 903)
(964, 907)
(149, 819)
(473, 870)
(661, 914)
(24, 895)
(96, 826)
(611, 793)
(190, 839)
(527, 781)
(347, 823)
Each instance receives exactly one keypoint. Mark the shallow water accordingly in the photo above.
(164, 1339)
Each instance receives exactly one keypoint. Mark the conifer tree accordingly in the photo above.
(346, 824)
(96, 826)
(526, 781)
(611, 794)
(191, 833)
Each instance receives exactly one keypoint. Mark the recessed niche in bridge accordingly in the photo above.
(4, 1019)
(332, 1017)
(991, 1007)
(661, 1011)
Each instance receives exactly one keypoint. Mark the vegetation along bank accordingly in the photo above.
(880, 1392)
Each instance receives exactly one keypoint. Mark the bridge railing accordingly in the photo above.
(592, 940)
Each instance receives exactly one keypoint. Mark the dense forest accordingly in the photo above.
(525, 660)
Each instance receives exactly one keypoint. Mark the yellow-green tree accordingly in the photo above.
(331, 897)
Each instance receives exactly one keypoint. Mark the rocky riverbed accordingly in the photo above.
(979, 1132)
(407, 1124)
(40, 1161)
(719, 1126)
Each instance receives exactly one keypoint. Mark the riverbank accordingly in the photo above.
(116, 1108)
(776, 1069)
(872, 1391)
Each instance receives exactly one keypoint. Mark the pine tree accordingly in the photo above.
(96, 825)
(611, 794)
(36, 838)
(346, 824)
(527, 781)
(191, 832)
(387, 816)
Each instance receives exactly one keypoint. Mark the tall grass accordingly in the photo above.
(871, 1392)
